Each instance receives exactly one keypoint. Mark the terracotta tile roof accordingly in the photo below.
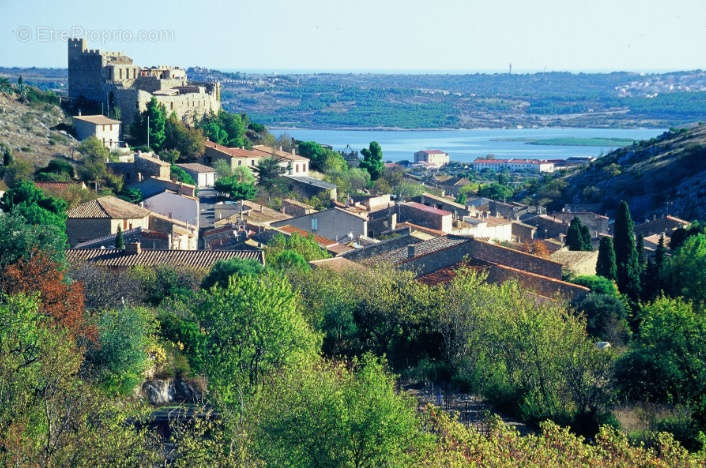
(233, 152)
(322, 241)
(398, 256)
(416, 227)
(428, 209)
(268, 151)
(108, 207)
(448, 201)
(190, 258)
(196, 167)
(433, 151)
(337, 264)
(58, 186)
(96, 119)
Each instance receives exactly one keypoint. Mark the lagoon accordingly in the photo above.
(465, 145)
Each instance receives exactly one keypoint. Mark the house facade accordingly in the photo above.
(99, 126)
(102, 217)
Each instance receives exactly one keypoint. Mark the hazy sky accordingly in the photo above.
(366, 35)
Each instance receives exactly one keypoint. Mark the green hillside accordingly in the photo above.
(666, 173)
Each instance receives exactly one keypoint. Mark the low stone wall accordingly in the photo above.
(493, 253)
(547, 287)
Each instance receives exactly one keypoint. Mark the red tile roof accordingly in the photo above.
(428, 209)
(183, 258)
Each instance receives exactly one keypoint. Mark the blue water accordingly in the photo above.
(467, 145)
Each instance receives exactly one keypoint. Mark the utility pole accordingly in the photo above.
(148, 130)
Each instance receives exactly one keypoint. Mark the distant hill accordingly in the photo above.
(497, 100)
(664, 174)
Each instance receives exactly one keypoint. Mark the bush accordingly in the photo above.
(597, 284)
(222, 270)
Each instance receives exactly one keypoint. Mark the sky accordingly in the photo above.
(365, 35)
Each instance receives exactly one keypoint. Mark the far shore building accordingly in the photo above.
(514, 165)
(99, 126)
(433, 157)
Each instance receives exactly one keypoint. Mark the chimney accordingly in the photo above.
(411, 251)
(133, 248)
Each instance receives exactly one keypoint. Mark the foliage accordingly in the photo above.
(225, 128)
(222, 270)
(606, 316)
(597, 284)
(365, 422)
(288, 259)
(268, 171)
(680, 235)
(606, 266)
(59, 299)
(156, 115)
(120, 239)
(626, 257)
(180, 175)
(20, 240)
(49, 416)
(121, 355)
(304, 246)
(495, 191)
(163, 281)
(322, 159)
(235, 189)
(94, 169)
(56, 167)
(248, 330)
(34, 205)
(188, 141)
(685, 271)
(372, 160)
(667, 361)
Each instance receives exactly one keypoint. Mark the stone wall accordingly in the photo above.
(548, 287)
(82, 230)
(493, 253)
(384, 246)
(523, 232)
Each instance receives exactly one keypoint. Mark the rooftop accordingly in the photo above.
(108, 207)
(426, 247)
(183, 258)
(312, 181)
(322, 241)
(510, 161)
(445, 200)
(428, 209)
(233, 152)
(96, 119)
(336, 264)
(197, 167)
(267, 151)
(433, 151)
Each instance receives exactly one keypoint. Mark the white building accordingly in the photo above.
(99, 126)
(205, 176)
(434, 157)
(530, 165)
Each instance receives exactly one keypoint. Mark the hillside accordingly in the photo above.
(27, 129)
(666, 173)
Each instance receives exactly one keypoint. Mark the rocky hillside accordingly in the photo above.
(664, 174)
(27, 129)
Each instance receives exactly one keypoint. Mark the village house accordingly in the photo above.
(235, 157)
(292, 163)
(310, 186)
(296, 208)
(154, 185)
(426, 216)
(144, 165)
(148, 239)
(106, 130)
(514, 165)
(661, 225)
(433, 158)
(174, 205)
(335, 223)
(203, 175)
(102, 217)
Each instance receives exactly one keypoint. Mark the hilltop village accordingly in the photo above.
(210, 294)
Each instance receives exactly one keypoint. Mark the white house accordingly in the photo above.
(99, 126)
(205, 176)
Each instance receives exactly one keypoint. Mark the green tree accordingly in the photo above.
(268, 172)
(586, 238)
(20, 240)
(94, 169)
(606, 316)
(248, 330)
(626, 256)
(181, 175)
(289, 259)
(685, 271)
(574, 236)
(152, 120)
(606, 266)
(234, 189)
(189, 142)
(372, 160)
(495, 191)
(121, 355)
(222, 270)
(640, 249)
(304, 246)
(597, 284)
(34, 205)
(365, 422)
(653, 283)
(120, 239)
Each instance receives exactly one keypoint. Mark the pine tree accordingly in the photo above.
(626, 257)
(119, 240)
(586, 242)
(372, 160)
(606, 266)
(574, 237)
(653, 279)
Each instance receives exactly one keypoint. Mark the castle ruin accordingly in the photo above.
(113, 80)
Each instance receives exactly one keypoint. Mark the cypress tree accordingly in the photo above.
(574, 237)
(586, 238)
(640, 247)
(119, 240)
(606, 266)
(626, 257)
